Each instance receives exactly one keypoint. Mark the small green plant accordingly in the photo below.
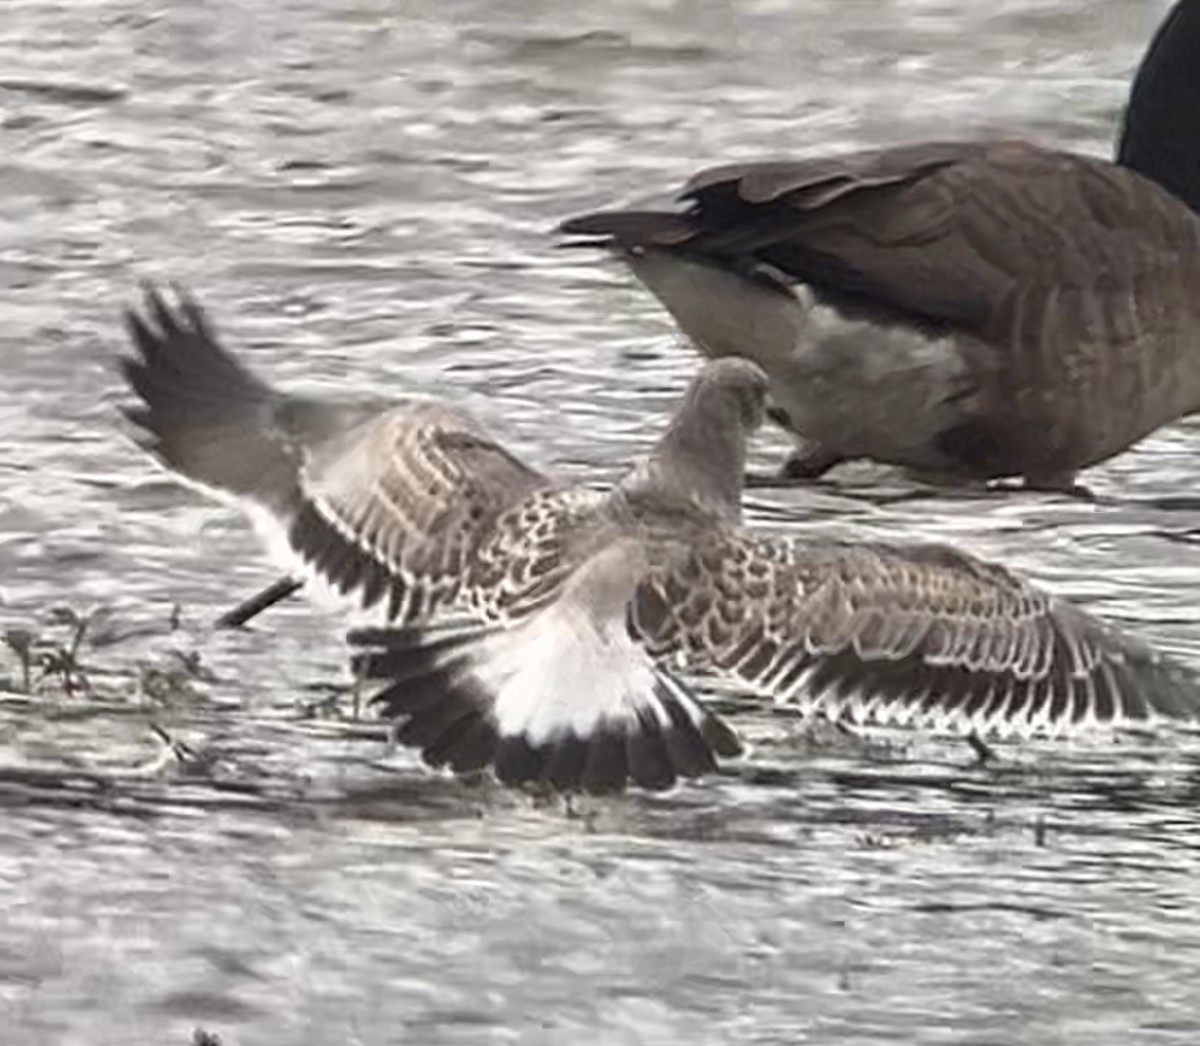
(45, 656)
(51, 654)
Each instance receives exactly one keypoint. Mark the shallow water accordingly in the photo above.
(362, 193)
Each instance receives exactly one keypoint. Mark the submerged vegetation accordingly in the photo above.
(93, 697)
(64, 651)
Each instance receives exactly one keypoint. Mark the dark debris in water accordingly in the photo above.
(142, 797)
(526, 47)
(65, 93)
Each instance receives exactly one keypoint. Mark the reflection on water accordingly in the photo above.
(363, 193)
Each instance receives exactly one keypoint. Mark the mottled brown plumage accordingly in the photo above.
(581, 603)
(413, 504)
(980, 309)
(901, 634)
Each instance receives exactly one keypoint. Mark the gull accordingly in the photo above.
(548, 631)
(977, 310)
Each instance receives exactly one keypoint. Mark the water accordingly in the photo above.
(362, 191)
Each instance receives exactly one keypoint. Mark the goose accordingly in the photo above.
(542, 630)
(974, 310)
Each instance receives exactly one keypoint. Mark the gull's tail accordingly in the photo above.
(541, 701)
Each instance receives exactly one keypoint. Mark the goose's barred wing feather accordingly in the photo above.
(885, 633)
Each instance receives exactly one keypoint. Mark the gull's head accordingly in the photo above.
(727, 388)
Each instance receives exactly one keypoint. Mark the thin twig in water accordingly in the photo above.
(275, 592)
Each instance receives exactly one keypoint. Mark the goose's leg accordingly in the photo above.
(804, 464)
(1062, 483)
(1053, 483)
(799, 468)
(984, 753)
(810, 464)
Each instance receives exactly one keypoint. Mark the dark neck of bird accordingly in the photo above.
(1161, 135)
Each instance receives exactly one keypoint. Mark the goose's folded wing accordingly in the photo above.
(390, 501)
(1006, 240)
(902, 634)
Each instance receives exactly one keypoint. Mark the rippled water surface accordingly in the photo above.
(362, 192)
